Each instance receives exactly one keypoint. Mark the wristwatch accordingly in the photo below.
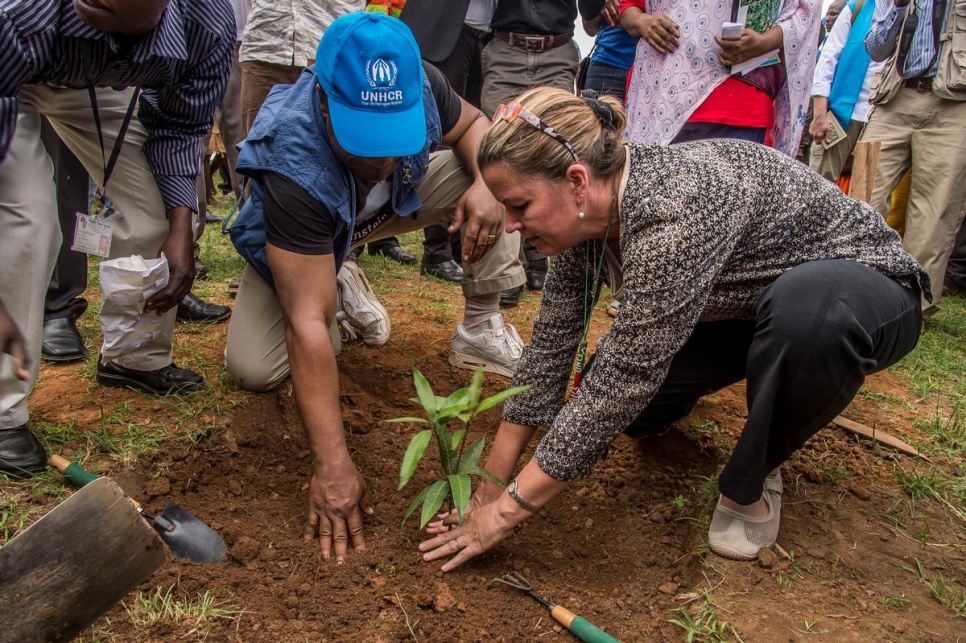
(514, 491)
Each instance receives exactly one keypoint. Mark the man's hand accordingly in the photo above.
(12, 343)
(750, 45)
(820, 127)
(484, 221)
(337, 499)
(659, 31)
(178, 249)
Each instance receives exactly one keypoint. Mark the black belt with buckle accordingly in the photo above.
(533, 43)
(479, 34)
(922, 84)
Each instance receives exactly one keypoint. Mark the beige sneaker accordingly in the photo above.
(362, 315)
(736, 536)
(497, 349)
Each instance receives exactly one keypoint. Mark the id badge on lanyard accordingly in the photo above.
(93, 232)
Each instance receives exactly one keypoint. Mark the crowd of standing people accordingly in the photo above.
(663, 166)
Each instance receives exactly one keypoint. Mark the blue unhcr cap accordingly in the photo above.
(369, 66)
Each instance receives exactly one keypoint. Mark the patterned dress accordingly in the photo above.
(704, 228)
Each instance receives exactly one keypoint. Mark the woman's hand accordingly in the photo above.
(751, 45)
(482, 530)
(820, 127)
(659, 31)
(485, 494)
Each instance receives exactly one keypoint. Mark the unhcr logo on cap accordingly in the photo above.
(381, 75)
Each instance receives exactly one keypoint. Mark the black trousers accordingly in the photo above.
(819, 329)
(69, 279)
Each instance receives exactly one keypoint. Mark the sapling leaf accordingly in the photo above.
(445, 449)
(471, 457)
(435, 496)
(459, 486)
(425, 392)
(493, 400)
(483, 473)
(419, 498)
(455, 404)
(457, 437)
(413, 453)
(475, 389)
(409, 419)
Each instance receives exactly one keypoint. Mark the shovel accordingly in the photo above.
(67, 569)
(187, 537)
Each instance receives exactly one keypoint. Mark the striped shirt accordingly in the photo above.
(182, 67)
(884, 36)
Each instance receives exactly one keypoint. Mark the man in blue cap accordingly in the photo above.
(345, 156)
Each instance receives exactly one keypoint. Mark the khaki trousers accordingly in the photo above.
(29, 229)
(256, 355)
(829, 162)
(928, 133)
(257, 79)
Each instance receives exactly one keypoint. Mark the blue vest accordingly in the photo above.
(852, 64)
(289, 138)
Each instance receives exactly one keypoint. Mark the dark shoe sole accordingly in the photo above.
(119, 381)
(20, 473)
(63, 359)
(206, 320)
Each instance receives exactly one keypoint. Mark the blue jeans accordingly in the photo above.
(607, 80)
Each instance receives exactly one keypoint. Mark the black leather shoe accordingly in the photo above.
(202, 274)
(447, 271)
(536, 273)
(164, 381)
(192, 309)
(62, 342)
(395, 253)
(213, 219)
(21, 454)
(510, 297)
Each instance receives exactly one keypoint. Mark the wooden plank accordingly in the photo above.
(865, 163)
(70, 567)
(877, 435)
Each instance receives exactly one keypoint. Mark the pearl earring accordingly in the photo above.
(580, 213)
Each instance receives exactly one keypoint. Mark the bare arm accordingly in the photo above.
(659, 31)
(306, 288)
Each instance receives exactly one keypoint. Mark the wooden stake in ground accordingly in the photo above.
(878, 436)
(864, 166)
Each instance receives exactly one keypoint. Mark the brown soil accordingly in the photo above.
(616, 548)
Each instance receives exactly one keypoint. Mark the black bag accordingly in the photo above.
(581, 80)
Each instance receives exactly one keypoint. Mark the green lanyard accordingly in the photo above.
(590, 296)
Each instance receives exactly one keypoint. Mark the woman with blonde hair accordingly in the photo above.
(734, 262)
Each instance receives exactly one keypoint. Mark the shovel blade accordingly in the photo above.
(189, 538)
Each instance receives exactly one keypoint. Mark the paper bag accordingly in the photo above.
(127, 283)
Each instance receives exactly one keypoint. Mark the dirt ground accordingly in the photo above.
(625, 548)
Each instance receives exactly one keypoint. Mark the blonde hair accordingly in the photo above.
(594, 127)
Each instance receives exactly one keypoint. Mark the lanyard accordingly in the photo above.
(108, 164)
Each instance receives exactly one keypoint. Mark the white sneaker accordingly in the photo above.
(497, 348)
(363, 315)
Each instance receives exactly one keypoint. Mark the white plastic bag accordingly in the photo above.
(127, 283)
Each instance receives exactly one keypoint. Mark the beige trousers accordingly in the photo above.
(929, 133)
(29, 229)
(256, 355)
(829, 162)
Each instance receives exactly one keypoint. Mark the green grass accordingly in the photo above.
(936, 366)
(701, 623)
(946, 591)
(163, 606)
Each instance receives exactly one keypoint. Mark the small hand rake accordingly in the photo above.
(578, 625)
